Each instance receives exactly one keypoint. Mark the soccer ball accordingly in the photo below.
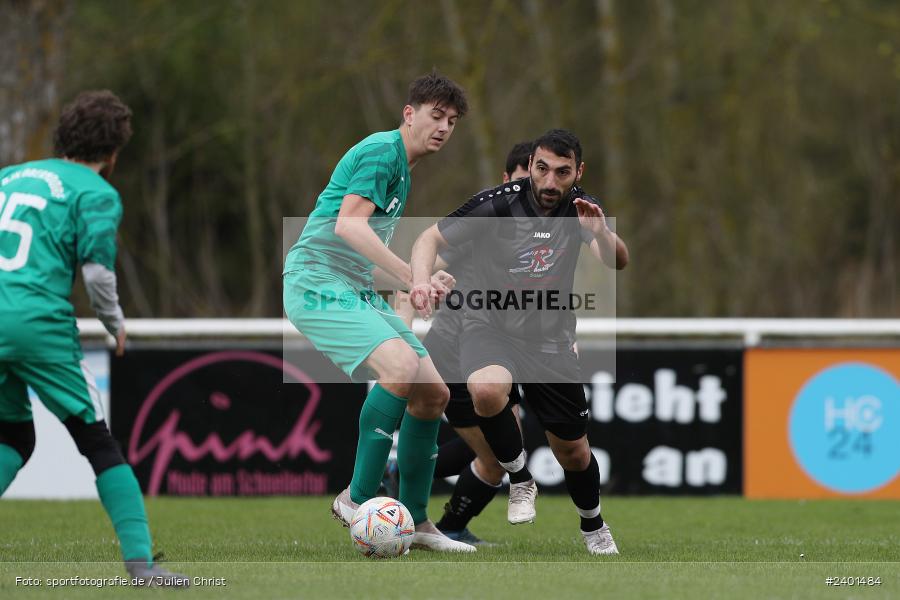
(382, 528)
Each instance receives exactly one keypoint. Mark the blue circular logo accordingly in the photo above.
(845, 428)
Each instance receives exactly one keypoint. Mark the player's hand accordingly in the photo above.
(591, 217)
(442, 282)
(120, 341)
(422, 296)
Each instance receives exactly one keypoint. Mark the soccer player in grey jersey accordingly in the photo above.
(502, 346)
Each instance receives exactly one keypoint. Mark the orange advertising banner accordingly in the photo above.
(822, 423)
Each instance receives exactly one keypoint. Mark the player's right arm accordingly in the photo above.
(450, 232)
(424, 255)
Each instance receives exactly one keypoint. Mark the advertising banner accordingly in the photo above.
(222, 423)
(669, 424)
(822, 423)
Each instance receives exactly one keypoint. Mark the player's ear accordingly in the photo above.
(579, 172)
(408, 112)
(109, 165)
(505, 177)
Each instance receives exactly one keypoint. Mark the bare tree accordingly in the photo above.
(256, 244)
(473, 80)
(31, 73)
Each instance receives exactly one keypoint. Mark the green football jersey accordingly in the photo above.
(54, 216)
(376, 169)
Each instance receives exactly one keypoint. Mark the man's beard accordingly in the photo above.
(550, 201)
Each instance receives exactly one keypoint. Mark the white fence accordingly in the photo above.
(751, 331)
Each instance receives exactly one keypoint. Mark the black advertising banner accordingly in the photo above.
(201, 422)
(670, 424)
(223, 423)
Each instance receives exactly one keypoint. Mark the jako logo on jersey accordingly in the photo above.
(393, 203)
(535, 260)
(544, 235)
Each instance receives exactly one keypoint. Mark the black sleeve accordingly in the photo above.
(465, 223)
(452, 254)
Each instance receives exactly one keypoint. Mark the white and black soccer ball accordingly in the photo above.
(382, 528)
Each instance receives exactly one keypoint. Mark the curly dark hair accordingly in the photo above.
(92, 127)
(443, 91)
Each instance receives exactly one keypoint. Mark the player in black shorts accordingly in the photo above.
(519, 328)
(468, 456)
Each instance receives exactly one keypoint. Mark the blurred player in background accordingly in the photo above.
(56, 215)
(468, 456)
(525, 250)
(343, 242)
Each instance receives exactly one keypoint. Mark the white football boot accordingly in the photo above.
(521, 502)
(429, 537)
(600, 541)
(343, 508)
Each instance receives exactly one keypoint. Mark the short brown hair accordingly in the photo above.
(92, 127)
(442, 91)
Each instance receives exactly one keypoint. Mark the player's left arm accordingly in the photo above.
(607, 246)
(98, 218)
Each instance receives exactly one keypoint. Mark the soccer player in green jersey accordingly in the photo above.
(329, 297)
(55, 215)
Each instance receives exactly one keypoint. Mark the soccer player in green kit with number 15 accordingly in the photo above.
(55, 215)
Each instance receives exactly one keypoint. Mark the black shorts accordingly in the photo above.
(552, 381)
(444, 352)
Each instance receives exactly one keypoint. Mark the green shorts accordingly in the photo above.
(344, 322)
(67, 389)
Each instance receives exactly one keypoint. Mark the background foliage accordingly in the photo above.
(749, 150)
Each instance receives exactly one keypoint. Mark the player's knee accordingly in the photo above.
(489, 398)
(18, 436)
(441, 395)
(95, 443)
(574, 457)
(429, 401)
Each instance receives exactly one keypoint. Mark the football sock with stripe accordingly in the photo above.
(121, 497)
(381, 413)
(10, 463)
(584, 488)
(453, 457)
(416, 454)
(470, 496)
(505, 439)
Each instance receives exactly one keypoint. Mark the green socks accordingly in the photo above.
(378, 419)
(10, 463)
(122, 499)
(416, 456)
(416, 451)
(120, 495)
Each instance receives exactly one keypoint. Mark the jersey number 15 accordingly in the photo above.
(20, 228)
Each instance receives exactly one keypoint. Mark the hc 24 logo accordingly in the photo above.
(844, 427)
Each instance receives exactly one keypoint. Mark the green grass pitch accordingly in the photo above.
(291, 548)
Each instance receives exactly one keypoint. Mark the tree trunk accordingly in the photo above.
(31, 72)
(473, 81)
(256, 246)
(613, 116)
